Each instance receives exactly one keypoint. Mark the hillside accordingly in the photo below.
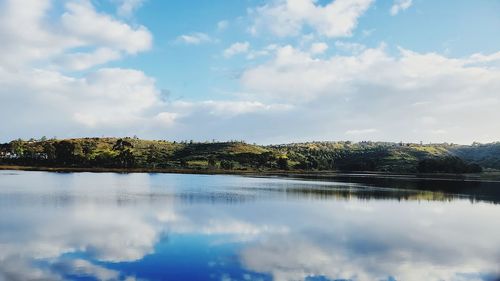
(312, 156)
(486, 155)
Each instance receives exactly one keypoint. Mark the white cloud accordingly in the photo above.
(372, 89)
(253, 54)
(400, 5)
(82, 61)
(127, 7)
(350, 47)
(222, 25)
(112, 97)
(101, 101)
(318, 48)
(108, 101)
(363, 88)
(367, 32)
(231, 108)
(288, 17)
(166, 118)
(105, 98)
(79, 26)
(195, 38)
(267, 50)
(84, 22)
(236, 48)
(31, 42)
(361, 131)
(34, 61)
(224, 108)
(481, 58)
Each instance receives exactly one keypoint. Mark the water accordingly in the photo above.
(85, 226)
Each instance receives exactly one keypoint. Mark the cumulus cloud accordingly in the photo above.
(47, 99)
(400, 5)
(236, 48)
(82, 61)
(108, 97)
(82, 21)
(79, 26)
(194, 38)
(36, 63)
(108, 100)
(280, 98)
(288, 17)
(372, 88)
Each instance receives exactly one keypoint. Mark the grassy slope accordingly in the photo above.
(389, 157)
(486, 155)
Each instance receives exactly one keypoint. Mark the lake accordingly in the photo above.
(105, 226)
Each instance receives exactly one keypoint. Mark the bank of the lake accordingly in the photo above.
(493, 176)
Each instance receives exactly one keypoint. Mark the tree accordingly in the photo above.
(474, 168)
(125, 157)
(64, 152)
(121, 145)
(282, 163)
(49, 150)
(264, 158)
(87, 148)
(227, 165)
(212, 164)
(152, 156)
(17, 147)
(450, 164)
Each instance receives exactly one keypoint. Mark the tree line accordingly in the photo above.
(129, 153)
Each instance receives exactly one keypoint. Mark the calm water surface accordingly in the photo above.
(85, 226)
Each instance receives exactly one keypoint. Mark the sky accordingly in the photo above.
(264, 71)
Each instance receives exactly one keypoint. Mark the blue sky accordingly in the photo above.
(263, 71)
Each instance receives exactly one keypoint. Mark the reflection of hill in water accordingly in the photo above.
(364, 194)
(215, 198)
(407, 188)
(142, 189)
(236, 195)
(345, 188)
(240, 195)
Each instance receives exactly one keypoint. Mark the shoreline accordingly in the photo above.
(293, 174)
(125, 170)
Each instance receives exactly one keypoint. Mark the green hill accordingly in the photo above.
(311, 156)
(486, 155)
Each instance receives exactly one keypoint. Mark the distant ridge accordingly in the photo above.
(129, 153)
